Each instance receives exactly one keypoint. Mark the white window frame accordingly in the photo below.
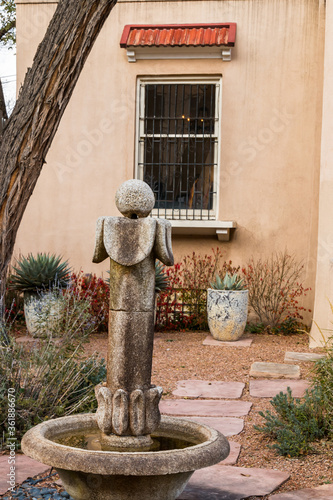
(179, 214)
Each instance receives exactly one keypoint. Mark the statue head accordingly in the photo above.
(135, 199)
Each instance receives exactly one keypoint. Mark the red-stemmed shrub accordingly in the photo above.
(96, 290)
(275, 288)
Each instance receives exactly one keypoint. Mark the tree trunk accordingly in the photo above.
(42, 100)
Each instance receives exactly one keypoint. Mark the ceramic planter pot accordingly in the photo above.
(41, 311)
(227, 313)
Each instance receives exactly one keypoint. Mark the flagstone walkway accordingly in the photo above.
(220, 406)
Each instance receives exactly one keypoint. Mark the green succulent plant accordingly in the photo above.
(41, 272)
(229, 282)
(161, 278)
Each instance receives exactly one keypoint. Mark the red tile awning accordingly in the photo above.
(179, 35)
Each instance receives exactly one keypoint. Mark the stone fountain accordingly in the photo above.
(126, 450)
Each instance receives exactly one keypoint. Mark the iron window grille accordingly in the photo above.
(178, 147)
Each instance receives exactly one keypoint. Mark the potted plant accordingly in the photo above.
(40, 278)
(227, 307)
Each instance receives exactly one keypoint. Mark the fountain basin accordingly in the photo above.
(113, 475)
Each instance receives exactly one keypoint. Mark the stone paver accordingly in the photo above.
(324, 492)
(291, 357)
(228, 426)
(24, 467)
(207, 389)
(221, 482)
(274, 370)
(270, 388)
(242, 342)
(205, 408)
(232, 458)
(24, 339)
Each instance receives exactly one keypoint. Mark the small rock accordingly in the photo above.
(44, 491)
(35, 492)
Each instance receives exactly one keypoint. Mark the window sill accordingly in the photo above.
(222, 229)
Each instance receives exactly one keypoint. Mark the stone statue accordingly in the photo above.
(128, 404)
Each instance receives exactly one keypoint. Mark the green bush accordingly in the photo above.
(296, 423)
(323, 379)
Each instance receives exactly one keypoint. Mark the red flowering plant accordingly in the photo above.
(14, 307)
(274, 291)
(96, 290)
(183, 305)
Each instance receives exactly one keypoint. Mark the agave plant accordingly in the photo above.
(41, 272)
(161, 278)
(229, 282)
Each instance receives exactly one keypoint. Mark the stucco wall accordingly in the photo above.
(271, 129)
(323, 316)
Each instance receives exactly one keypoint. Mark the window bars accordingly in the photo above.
(178, 137)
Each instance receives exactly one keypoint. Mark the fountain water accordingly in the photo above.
(127, 451)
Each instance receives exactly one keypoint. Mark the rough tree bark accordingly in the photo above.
(43, 98)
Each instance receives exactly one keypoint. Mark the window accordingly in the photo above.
(178, 131)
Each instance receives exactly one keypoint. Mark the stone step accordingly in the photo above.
(269, 388)
(291, 357)
(274, 370)
(205, 408)
(242, 342)
(324, 492)
(228, 426)
(207, 389)
(221, 482)
(232, 458)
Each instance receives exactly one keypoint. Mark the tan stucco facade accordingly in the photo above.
(270, 149)
(323, 315)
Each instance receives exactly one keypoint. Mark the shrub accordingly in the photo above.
(323, 376)
(296, 423)
(96, 291)
(51, 378)
(274, 289)
(65, 315)
(14, 307)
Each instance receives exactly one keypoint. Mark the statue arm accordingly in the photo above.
(100, 253)
(162, 247)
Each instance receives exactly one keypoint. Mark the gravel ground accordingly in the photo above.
(181, 356)
(41, 487)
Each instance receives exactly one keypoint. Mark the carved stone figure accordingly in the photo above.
(128, 404)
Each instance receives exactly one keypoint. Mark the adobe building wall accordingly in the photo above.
(323, 311)
(270, 144)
